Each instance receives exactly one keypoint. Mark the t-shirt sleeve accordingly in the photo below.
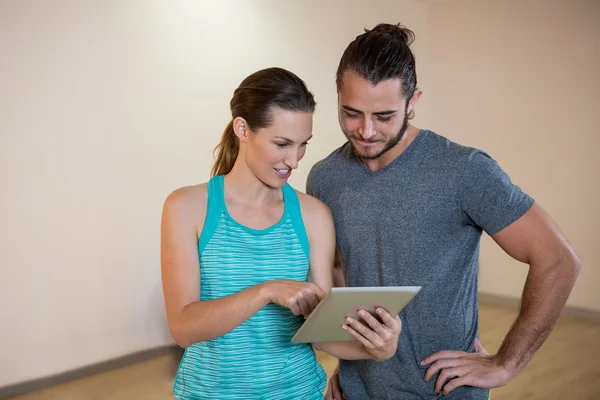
(312, 188)
(488, 197)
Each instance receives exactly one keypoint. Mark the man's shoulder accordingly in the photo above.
(444, 150)
(329, 170)
(442, 144)
(328, 165)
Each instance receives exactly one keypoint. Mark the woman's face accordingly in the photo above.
(273, 152)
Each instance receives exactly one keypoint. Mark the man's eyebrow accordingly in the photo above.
(348, 108)
(386, 112)
(380, 113)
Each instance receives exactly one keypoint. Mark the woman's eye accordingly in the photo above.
(281, 145)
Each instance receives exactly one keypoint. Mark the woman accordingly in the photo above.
(236, 253)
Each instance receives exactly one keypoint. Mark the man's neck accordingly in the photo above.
(389, 156)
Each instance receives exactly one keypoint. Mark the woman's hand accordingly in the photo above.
(300, 297)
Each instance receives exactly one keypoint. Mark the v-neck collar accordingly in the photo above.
(395, 161)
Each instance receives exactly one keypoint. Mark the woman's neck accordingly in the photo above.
(242, 184)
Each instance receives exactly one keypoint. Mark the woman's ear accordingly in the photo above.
(240, 127)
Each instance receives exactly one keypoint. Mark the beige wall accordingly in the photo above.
(105, 107)
(521, 80)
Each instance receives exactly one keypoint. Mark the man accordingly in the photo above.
(409, 208)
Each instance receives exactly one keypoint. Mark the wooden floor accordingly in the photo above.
(567, 367)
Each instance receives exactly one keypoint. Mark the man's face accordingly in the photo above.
(373, 118)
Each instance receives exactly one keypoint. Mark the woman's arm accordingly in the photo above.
(191, 320)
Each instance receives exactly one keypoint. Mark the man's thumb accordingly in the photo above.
(478, 347)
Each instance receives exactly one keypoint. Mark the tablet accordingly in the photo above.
(324, 324)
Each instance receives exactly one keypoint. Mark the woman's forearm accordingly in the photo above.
(344, 350)
(208, 319)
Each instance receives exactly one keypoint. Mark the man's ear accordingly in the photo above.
(413, 100)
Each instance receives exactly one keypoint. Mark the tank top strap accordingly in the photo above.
(213, 210)
(292, 204)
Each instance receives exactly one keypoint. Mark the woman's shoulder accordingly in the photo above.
(188, 194)
(188, 200)
(312, 208)
(318, 220)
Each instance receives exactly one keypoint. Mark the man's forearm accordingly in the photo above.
(544, 295)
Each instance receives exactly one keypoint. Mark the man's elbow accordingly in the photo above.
(569, 264)
(576, 265)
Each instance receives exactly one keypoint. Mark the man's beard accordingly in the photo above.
(390, 143)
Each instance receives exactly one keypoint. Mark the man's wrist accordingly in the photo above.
(508, 365)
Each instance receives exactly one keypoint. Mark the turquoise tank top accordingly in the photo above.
(256, 360)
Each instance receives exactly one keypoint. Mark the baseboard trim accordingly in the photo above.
(514, 302)
(104, 366)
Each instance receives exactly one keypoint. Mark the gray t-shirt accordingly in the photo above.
(417, 222)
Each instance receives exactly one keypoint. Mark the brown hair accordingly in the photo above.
(254, 100)
(382, 53)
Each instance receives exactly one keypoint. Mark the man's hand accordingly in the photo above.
(334, 390)
(477, 369)
(379, 340)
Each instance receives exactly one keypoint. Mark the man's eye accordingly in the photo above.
(384, 119)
